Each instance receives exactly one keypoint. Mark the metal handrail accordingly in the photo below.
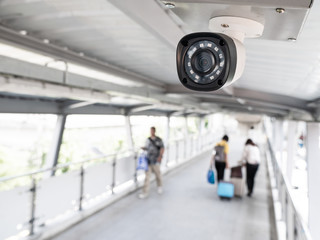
(80, 201)
(59, 166)
(4, 179)
(289, 193)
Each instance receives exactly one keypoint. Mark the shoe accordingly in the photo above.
(249, 194)
(142, 195)
(160, 190)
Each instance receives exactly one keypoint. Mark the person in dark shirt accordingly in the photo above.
(155, 148)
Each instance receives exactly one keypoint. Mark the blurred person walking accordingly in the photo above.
(251, 158)
(221, 157)
(155, 149)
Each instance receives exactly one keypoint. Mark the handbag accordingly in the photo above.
(236, 172)
(210, 176)
(142, 162)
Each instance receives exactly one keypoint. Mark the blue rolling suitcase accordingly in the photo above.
(225, 190)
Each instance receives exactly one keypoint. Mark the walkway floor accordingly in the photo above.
(189, 209)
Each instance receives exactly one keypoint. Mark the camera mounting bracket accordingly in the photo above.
(236, 27)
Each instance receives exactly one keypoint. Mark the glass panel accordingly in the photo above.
(181, 151)
(195, 146)
(193, 125)
(15, 211)
(189, 148)
(92, 136)
(27, 140)
(97, 179)
(125, 169)
(141, 128)
(172, 152)
(58, 196)
(177, 127)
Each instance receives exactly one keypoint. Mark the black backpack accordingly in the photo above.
(219, 156)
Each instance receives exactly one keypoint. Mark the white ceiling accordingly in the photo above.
(96, 28)
(287, 68)
(112, 32)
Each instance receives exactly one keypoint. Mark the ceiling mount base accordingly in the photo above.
(236, 27)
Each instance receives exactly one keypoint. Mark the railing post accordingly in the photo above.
(135, 158)
(33, 191)
(283, 199)
(290, 222)
(285, 208)
(114, 174)
(81, 187)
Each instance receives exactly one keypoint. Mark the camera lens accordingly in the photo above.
(203, 62)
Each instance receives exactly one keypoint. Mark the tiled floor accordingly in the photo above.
(188, 209)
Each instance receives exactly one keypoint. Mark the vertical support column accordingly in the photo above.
(278, 147)
(167, 140)
(274, 132)
(129, 133)
(313, 153)
(177, 151)
(201, 131)
(186, 137)
(53, 155)
(291, 147)
(131, 148)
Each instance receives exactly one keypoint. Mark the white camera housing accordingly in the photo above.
(210, 61)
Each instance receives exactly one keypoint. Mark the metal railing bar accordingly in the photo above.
(287, 191)
(59, 166)
(4, 179)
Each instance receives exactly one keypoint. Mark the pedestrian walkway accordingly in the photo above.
(188, 209)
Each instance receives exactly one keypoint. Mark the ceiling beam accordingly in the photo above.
(80, 104)
(37, 45)
(28, 106)
(179, 89)
(267, 99)
(252, 112)
(143, 12)
(245, 105)
(269, 3)
(280, 100)
(140, 109)
(44, 81)
(250, 108)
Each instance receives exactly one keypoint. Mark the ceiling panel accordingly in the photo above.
(101, 30)
(98, 29)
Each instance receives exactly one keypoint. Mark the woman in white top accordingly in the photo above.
(251, 155)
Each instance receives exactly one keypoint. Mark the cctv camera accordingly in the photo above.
(209, 61)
